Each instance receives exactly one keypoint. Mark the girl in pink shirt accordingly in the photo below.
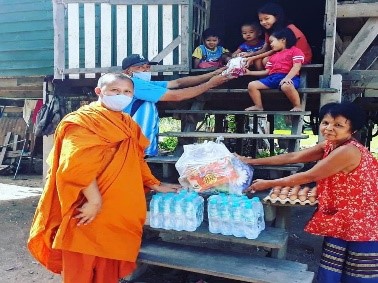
(282, 69)
(272, 18)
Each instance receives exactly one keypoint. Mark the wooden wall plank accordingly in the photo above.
(106, 35)
(89, 38)
(167, 33)
(358, 46)
(73, 38)
(357, 10)
(137, 29)
(153, 31)
(121, 33)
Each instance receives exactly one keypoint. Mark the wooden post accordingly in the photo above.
(59, 42)
(329, 44)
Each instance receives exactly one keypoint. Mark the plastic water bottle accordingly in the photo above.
(190, 213)
(178, 209)
(237, 222)
(225, 213)
(167, 211)
(156, 217)
(260, 213)
(251, 229)
(213, 214)
(199, 206)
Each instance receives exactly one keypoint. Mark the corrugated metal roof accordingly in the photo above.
(26, 38)
(12, 122)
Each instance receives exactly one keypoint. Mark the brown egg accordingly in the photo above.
(302, 194)
(313, 194)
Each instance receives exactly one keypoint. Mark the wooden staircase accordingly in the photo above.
(229, 264)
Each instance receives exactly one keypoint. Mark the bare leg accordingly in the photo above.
(293, 95)
(254, 88)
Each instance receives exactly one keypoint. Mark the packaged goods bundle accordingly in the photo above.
(211, 166)
(235, 215)
(181, 211)
(235, 67)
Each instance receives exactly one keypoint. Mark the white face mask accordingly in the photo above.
(115, 102)
(146, 76)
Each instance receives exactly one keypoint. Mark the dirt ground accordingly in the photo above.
(16, 264)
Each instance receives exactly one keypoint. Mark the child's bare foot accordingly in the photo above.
(254, 108)
(296, 109)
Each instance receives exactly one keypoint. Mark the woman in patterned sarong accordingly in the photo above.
(346, 174)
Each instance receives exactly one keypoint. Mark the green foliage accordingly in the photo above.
(168, 144)
(280, 123)
(167, 124)
(230, 124)
(266, 152)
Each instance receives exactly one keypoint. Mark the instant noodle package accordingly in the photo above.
(211, 166)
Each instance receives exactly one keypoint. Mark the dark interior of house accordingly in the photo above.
(228, 16)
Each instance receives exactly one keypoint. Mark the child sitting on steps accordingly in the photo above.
(251, 33)
(210, 54)
(282, 69)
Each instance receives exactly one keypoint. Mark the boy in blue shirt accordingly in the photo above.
(147, 93)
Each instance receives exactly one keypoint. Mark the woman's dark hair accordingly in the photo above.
(286, 34)
(276, 11)
(349, 110)
(210, 32)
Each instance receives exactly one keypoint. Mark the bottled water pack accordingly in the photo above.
(176, 211)
(235, 215)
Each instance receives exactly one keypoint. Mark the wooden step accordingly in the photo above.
(231, 135)
(272, 238)
(271, 91)
(304, 68)
(170, 159)
(225, 264)
(238, 112)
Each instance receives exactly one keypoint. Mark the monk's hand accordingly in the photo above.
(87, 212)
(166, 188)
(258, 185)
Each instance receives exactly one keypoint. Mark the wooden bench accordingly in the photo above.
(272, 238)
(231, 265)
(226, 264)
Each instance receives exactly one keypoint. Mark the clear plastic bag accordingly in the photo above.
(211, 166)
(235, 67)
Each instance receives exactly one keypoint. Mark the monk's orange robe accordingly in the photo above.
(93, 143)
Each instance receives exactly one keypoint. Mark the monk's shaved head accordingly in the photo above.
(110, 77)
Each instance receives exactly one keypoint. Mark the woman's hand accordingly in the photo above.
(259, 185)
(166, 188)
(88, 212)
(244, 159)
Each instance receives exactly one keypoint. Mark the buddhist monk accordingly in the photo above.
(88, 223)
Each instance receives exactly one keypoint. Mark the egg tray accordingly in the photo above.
(288, 201)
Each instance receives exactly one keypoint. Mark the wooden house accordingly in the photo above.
(61, 47)
(75, 40)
